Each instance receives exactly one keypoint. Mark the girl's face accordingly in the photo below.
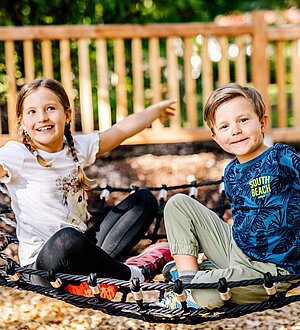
(238, 129)
(44, 119)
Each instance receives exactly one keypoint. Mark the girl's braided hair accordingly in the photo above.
(55, 87)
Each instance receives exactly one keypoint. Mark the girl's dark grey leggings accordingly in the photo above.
(70, 251)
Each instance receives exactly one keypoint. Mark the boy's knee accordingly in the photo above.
(176, 200)
(207, 298)
(171, 206)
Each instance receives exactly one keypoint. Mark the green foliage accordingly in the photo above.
(44, 12)
(90, 12)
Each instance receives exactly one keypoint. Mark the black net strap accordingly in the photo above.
(12, 275)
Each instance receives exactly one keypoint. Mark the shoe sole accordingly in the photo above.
(107, 291)
(166, 270)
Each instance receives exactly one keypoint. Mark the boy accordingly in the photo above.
(263, 186)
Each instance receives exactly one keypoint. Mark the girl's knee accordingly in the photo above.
(63, 244)
(146, 195)
(65, 232)
(140, 198)
(65, 237)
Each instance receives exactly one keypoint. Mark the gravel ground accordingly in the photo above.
(24, 310)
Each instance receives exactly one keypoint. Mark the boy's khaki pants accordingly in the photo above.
(191, 229)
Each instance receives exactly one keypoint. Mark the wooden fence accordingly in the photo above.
(110, 71)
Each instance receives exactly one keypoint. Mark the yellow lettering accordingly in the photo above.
(260, 190)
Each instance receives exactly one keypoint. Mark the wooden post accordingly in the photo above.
(120, 70)
(137, 75)
(190, 84)
(223, 65)
(173, 80)
(155, 76)
(240, 62)
(295, 83)
(259, 59)
(66, 74)
(85, 87)
(104, 110)
(281, 86)
(28, 60)
(47, 58)
(12, 89)
(207, 72)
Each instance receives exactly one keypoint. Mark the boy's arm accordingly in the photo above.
(134, 124)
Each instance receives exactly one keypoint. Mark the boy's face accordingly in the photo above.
(238, 129)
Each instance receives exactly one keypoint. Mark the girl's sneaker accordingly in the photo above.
(107, 291)
(152, 259)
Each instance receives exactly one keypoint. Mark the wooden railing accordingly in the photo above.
(110, 71)
(285, 49)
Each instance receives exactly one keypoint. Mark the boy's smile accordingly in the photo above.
(238, 129)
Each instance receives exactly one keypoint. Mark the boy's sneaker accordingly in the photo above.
(107, 291)
(170, 300)
(152, 259)
(170, 272)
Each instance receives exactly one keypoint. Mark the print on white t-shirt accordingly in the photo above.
(74, 198)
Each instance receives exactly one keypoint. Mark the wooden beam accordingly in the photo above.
(57, 32)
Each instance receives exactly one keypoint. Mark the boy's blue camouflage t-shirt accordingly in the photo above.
(265, 202)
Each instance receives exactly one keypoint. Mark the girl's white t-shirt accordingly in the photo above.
(43, 199)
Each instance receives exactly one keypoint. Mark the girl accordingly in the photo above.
(45, 178)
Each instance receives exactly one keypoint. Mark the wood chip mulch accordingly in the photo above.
(26, 310)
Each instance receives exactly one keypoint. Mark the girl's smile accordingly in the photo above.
(44, 119)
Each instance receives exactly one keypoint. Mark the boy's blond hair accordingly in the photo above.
(230, 92)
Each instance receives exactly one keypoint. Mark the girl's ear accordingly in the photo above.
(68, 114)
(22, 126)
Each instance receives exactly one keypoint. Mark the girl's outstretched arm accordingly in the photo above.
(134, 124)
